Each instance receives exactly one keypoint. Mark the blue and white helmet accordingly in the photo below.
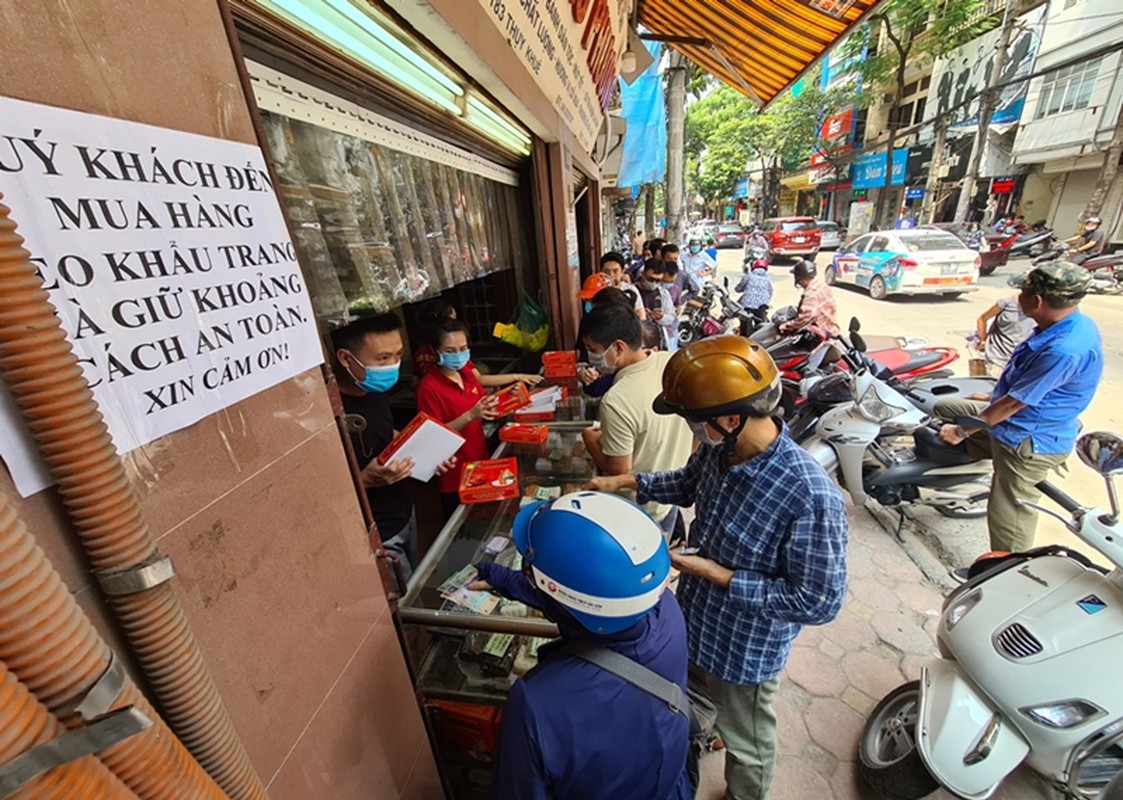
(598, 555)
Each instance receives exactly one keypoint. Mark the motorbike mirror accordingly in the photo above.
(857, 340)
(726, 281)
(855, 325)
(1101, 451)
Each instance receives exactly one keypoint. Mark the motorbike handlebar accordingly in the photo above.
(1059, 497)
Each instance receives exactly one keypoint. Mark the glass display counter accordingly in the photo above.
(467, 648)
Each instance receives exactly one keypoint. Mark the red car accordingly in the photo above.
(792, 237)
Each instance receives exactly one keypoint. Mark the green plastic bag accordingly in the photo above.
(529, 329)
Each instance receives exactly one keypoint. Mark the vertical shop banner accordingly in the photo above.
(571, 48)
(170, 265)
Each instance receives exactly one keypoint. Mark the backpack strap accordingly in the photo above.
(632, 672)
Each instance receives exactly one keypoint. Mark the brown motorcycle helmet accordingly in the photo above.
(719, 376)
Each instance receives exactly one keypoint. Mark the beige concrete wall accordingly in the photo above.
(254, 504)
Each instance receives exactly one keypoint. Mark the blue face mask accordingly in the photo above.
(379, 379)
(695, 249)
(588, 306)
(454, 361)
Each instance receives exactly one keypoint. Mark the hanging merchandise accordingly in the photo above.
(383, 214)
(528, 330)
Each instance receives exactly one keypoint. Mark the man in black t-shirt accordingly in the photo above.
(1092, 241)
(368, 357)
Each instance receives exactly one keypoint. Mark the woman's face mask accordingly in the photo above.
(695, 249)
(454, 361)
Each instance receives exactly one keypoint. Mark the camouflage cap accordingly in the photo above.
(1061, 279)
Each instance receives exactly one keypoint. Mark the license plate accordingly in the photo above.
(948, 269)
(798, 239)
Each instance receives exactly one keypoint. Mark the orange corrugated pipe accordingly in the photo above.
(40, 368)
(51, 646)
(26, 723)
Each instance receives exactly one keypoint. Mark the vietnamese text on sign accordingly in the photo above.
(168, 260)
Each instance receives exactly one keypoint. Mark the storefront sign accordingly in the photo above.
(823, 167)
(838, 125)
(914, 193)
(869, 170)
(1003, 185)
(170, 265)
(919, 163)
(571, 48)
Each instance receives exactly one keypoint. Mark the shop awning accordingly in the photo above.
(799, 182)
(759, 47)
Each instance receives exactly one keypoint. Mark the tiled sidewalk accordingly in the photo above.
(838, 672)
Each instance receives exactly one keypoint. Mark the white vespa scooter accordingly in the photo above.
(1030, 669)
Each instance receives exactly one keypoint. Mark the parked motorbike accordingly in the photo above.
(883, 447)
(1033, 242)
(1024, 674)
(906, 358)
(1107, 270)
(700, 319)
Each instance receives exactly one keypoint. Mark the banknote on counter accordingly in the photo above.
(455, 588)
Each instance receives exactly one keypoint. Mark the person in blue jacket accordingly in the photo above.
(597, 565)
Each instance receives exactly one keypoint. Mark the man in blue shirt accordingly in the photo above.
(770, 531)
(596, 565)
(1048, 382)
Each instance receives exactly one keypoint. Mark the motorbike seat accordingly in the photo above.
(899, 361)
(1100, 261)
(931, 448)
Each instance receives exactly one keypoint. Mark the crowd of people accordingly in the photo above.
(693, 427)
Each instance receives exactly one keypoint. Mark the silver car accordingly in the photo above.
(832, 234)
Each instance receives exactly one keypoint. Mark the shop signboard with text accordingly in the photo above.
(869, 170)
(571, 48)
(168, 261)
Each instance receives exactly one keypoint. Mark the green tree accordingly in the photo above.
(725, 130)
(903, 33)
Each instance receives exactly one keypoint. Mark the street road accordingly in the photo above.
(948, 323)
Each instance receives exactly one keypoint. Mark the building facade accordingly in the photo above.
(1071, 111)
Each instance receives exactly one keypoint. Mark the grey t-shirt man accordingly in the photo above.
(1009, 329)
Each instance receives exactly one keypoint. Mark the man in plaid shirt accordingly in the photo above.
(771, 533)
(816, 307)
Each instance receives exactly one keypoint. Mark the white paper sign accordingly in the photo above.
(169, 262)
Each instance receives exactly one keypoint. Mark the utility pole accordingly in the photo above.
(649, 209)
(932, 185)
(676, 134)
(986, 110)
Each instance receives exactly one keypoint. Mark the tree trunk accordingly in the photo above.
(1110, 185)
(986, 109)
(676, 124)
(932, 185)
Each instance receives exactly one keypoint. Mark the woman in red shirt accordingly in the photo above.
(451, 393)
